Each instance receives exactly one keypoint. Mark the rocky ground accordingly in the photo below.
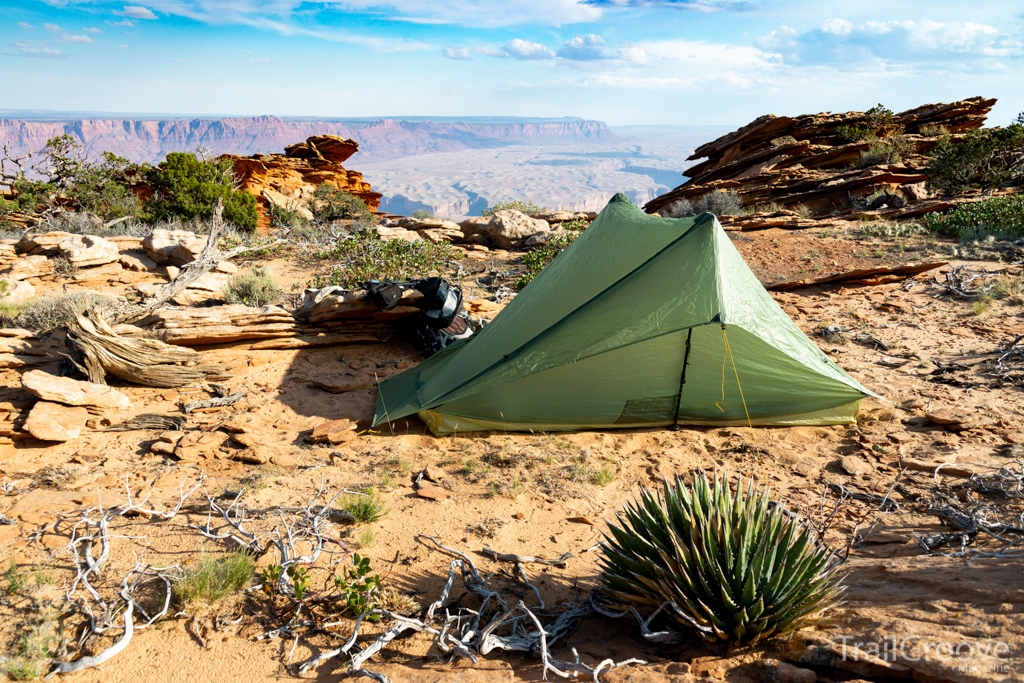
(928, 351)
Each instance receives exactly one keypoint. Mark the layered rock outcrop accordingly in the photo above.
(289, 179)
(809, 162)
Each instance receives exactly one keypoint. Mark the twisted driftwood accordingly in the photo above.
(96, 350)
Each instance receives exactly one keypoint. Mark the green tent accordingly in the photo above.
(641, 322)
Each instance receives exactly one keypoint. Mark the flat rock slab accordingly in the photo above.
(334, 431)
(73, 392)
(54, 422)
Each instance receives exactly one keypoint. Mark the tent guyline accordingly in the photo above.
(620, 331)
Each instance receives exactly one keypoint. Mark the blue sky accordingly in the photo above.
(623, 61)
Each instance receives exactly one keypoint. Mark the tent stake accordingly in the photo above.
(682, 380)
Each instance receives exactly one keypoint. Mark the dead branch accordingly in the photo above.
(149, 421)
(96, 350)
(222, 399)
(190, 272)
(561, 562)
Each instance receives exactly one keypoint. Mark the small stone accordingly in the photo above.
(334, 431)
(435, 474)
(285, 461)
(518, 515)
(73, 392)
(52, 422)
(855, 466)
(162, 448)
(432, 492)
(783, 672)
(943, 416)
(255, 455)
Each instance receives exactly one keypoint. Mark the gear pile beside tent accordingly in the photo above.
(641, 322)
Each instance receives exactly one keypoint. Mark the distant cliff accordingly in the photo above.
(150, 140)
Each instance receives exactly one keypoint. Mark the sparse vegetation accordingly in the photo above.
(529, 208)
(719, 202)
(49, 312)
(738, 569)
(366, 507)
(185, 186)
(887, 143)
(889, 229)
(286, 217)
(538, 259)
(984, 159)
(212, 579)
(329, 204)
(365, 256)
(422, 213)
(999, 217)
(255, 287)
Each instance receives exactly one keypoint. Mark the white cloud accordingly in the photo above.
(458, 52)
(53, 28)
(476, 13)
(517, 48)
(586, 48)
(68, 38)
(123, 22)
(838, 27)
(91, 30)
(918, 42)
(38, 50)
(137, 12)
(24, 24)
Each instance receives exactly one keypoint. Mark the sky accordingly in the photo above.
(626, 62)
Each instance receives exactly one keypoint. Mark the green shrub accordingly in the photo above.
(255, 287)
(213, 579)
(529, 208)
(285, 217)
(50, 312)
(364, 508)
(719, 202)
(877, 122)
(736, 568)
(422, 213)
(984, 159)
(365, 256)
(187, 187)
(889, 229)
(330, 204)
(104, 189)
(887, 150)
(538, 259)
(1000, 217)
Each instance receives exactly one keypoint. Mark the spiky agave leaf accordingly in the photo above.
(736, 568)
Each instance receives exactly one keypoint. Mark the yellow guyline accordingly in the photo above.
(753, 435)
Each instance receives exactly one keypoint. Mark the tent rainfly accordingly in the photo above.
(641, 322)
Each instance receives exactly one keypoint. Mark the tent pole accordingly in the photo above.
(682, 380)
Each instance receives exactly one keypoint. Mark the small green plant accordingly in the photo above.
(529, 208)
(602, 476)
(366, 256)
(981, 305)
(719, 202)
(802, 210)
(185, 186)
(329, 204)
(576, 224)
(736, 568)
(213, 578)
(15, 581)
(366, 537)
(300, 581)
(255, 287)
(358, 586)
(1000, 217)
(889, 229)
(538, 259)
(270, 578)
(365, 508)
(420, 214)
(515, 489)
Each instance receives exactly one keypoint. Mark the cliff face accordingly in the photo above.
(144, 140)
(806, 161)
(289, 179)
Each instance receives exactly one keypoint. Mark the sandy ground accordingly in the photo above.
(540, 494)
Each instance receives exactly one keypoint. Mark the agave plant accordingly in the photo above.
(728, 564)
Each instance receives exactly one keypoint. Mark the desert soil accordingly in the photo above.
(540, 494)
